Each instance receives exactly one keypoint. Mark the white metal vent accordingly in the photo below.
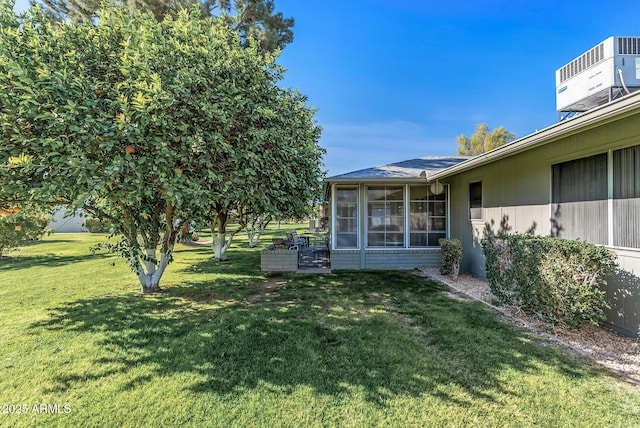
(586, 60)
(604, 73)
(628, 45)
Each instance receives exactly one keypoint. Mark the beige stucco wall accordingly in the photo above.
(517, 195)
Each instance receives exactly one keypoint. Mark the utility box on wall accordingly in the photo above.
(602, 74)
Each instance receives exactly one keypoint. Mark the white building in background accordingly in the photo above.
(62, 224)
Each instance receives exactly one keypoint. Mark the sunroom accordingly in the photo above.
(389, 217)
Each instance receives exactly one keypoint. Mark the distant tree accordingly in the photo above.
(20, 225)
(482, 140)
(252, 19)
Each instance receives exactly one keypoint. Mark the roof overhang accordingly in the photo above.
(408, 171)
(404, 180)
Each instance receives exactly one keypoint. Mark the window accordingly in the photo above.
(626, 197)
(581, 199)
(385, 216)
(427, 216)
(475, 200)
(346, 217)
(626, 173)
(579, 190)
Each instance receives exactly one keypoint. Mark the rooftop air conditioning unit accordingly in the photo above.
(602, 74)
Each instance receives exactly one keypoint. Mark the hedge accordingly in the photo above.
(95, 225)
(451, 250)
(557, 279)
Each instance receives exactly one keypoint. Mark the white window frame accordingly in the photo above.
(335, 231)
(404, 216)
(428, 217)
(481, 207)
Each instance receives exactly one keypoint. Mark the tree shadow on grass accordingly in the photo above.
(381, 336)
(47, 260)
(49, 256)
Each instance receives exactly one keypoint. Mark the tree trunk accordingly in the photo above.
(150, 275)
(148, 286)
(222, 240)
(220, 246)
(185, 231)
(219, 232)
(256, 228)
(253, 236)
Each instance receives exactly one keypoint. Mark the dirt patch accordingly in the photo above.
(266, 289)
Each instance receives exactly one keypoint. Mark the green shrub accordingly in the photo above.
(557, 279)
(451, 250)
(95, 225)
(18, 227)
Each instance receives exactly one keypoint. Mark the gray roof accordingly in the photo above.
(412, 168)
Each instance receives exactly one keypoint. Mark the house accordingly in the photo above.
(389, 217)
(577, 179)
(62, 223)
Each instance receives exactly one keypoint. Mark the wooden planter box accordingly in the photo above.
(272, 260)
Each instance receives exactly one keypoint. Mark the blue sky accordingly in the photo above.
(396, 80)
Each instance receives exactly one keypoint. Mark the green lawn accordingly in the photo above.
(348, 349)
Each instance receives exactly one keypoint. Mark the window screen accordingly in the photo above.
(385, 216)
(428, 217)
(579, 196)
(475, 200)
(346, 217)
(626, 197)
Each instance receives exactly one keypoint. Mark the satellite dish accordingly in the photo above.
(436, 188)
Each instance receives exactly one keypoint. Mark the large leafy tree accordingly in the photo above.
(278, 178)
(143, 123)
(252, 19)
(483, 140)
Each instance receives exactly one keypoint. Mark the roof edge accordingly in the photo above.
(330, 180)
(407, 166)
(602, 114)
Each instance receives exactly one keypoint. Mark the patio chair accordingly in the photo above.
(296, 241)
